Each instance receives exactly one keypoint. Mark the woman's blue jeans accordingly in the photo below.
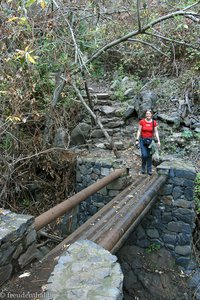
(146, 157)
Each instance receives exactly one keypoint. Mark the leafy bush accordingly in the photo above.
(187, 134)
(153, 247)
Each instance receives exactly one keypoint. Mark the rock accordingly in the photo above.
(80, 134)
(149, 96)
(129, 93)
(108, 120)
(183, 250)
(102, 96)
(28, 256)
(148, 275)
(173, 118)
(85, 271)
(100, 145)
(187, 122)
(114, 85)
(196, 125)
(194, 281)
(41, 252)
(128, 113)
(60, 139)
(115, 124)
(147, 100)
(103, 102)
(5, 273)
(107, 110)
(119, 145)
(98, 133)
(153, 233)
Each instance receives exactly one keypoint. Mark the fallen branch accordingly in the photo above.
(46, 242)
(50, 236)
(89, 98)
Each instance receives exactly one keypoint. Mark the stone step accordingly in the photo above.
(109, 111)
(101, 96)
(108, 120)
(98, 133)
(111, 124)
(120, 145)
(105, 145)
(101, 102)
(102, 143)
(115, 133)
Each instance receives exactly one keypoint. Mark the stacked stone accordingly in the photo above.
(172, 220)
(88, 171)
(17, 242)
(85, 271)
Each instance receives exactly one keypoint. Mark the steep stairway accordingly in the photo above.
(110, 113)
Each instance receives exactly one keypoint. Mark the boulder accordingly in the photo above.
(145, 100)
(129, 93)
(108, 110)
(80, 134)
(60, 139)
(128, 113)
(173, 118)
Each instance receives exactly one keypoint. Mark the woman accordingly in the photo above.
(146, 131)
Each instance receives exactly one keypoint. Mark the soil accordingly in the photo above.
(152, 274)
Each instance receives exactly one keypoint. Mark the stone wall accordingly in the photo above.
(17, 242)
(172, 220)
(88, 171)
(85, 271)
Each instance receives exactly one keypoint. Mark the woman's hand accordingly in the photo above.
(158, 144)
(137, 144)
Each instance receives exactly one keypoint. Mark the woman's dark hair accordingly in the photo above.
(149, 111)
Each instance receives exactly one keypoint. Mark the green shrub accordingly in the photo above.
(153, 247)
(187, 134)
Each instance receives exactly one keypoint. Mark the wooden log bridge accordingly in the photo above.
(109, 227)
(112, 224)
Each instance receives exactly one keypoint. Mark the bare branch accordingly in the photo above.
(78, 53)
(136, 32)
(174, 60)
(171, 40)
(148, 44)
(143, 30)
(192, 5)
(138, 15)
(39, 153)
(194, 19)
